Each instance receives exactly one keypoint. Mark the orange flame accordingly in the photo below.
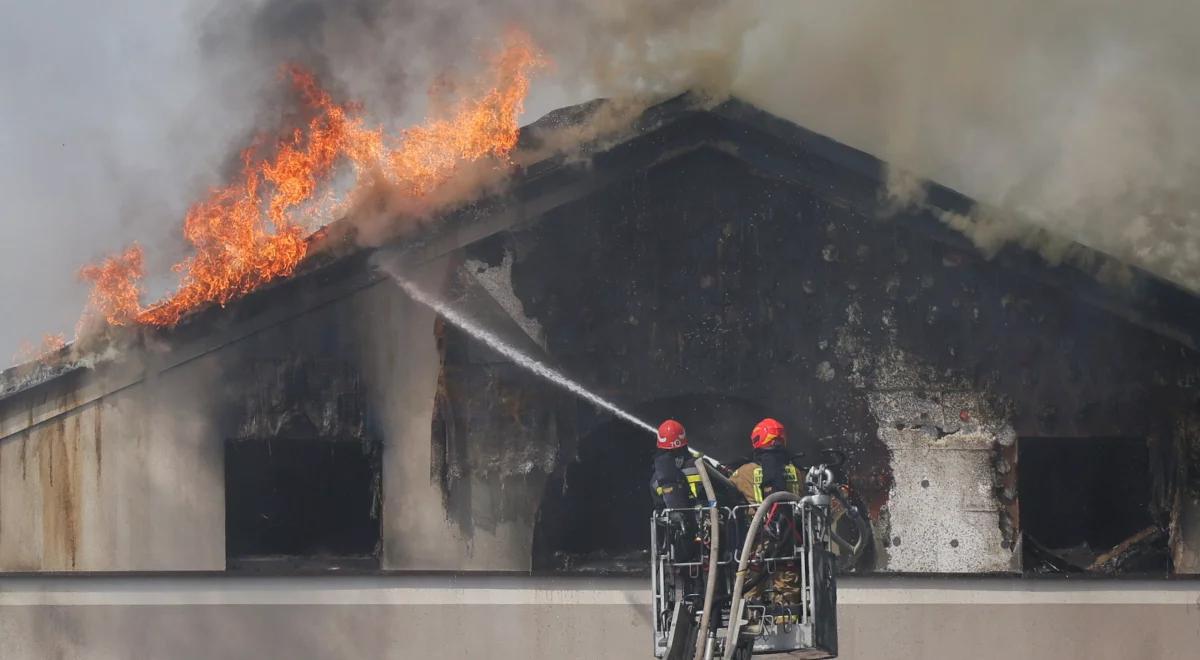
(428, 155)
(254, 229)
(115, 292)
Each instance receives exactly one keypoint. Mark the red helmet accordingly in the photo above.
(671, 435)
(767, 433)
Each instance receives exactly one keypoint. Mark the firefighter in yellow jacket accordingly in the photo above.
(772, 469)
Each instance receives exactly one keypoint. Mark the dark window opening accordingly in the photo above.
(1085, 507)
(596, 516)
(293, 503)
(608, 494)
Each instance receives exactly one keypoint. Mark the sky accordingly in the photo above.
(97, 146)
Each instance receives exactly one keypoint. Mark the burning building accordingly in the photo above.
(999, 414)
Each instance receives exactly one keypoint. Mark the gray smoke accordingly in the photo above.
(1077, 116)
(116, 117)
(1072, 120)
(101, 142)
(387, 52)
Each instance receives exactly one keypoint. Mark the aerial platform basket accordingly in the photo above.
(803, 546)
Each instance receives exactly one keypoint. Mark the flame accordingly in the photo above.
(255, 229)
(115, 291)
(486, 126)
(235, 250)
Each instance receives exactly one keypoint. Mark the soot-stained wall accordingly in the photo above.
(700, 280)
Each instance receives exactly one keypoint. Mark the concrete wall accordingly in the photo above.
(131, 480)
(401, 366)
(527, 618)
(436, 516)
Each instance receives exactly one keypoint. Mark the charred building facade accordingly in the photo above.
(717, 265)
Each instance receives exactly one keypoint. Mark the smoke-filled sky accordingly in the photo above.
(1079, 114)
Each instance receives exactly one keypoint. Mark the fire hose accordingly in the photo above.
(735, 615)
(714, 549)
(706, 458)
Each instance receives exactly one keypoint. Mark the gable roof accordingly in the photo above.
(772, 147)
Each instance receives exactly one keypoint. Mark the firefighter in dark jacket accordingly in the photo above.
(675, 476)
(675, 484)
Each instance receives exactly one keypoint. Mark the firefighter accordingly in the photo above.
(675, 477)
(772, 469)
(674, 485)
(777, 464)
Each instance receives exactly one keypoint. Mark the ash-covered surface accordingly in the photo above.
(300, 396)
(34, 373)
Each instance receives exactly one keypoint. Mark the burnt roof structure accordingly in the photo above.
(775, 149)
(715, 264)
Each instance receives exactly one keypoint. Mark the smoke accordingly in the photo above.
(1071, 120)
(1078, 117)
(405, 60)
(387, 53)
(116, 118)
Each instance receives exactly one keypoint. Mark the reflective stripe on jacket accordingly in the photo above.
(691, 476)
(749, 481)
(790, 474)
